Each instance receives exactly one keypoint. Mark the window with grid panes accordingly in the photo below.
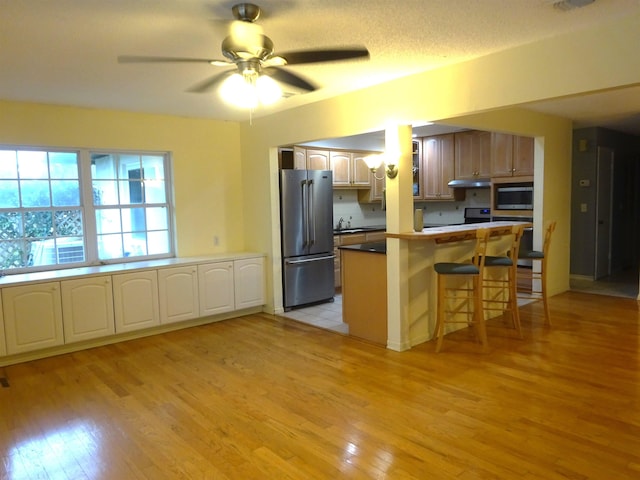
(63, 208)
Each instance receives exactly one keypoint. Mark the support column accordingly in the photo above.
(399, 200)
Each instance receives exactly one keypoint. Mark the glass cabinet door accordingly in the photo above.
(417, 186)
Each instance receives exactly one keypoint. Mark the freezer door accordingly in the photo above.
(308, 279)
(293, 186)
(320, 210)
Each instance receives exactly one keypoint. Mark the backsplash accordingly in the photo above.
(345, 205)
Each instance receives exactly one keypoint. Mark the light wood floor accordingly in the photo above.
(268, 398)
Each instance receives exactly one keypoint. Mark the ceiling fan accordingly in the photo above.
(252, 54)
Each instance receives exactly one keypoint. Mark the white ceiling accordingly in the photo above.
(65, 51)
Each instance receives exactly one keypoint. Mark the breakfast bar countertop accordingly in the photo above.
(454, 233)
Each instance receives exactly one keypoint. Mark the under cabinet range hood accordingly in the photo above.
(470, 183)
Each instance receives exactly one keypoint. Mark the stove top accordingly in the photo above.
(477, 214)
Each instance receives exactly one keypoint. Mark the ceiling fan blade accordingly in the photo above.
(143, 59)
(289, 78)
(328, 55)
(210, 82)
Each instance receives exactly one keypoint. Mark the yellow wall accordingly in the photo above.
(206, 161)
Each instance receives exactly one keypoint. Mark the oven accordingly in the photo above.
(526, 242)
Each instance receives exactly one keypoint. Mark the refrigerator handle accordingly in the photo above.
(311, 215)
(305, 213)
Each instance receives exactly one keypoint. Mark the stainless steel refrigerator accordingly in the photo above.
(306, 218)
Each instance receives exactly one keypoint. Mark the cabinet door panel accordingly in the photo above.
(87, 308)
(215, 284)
(318, 160)
(502, 155)
(523, 148)
(136, 301)
(361, 175)
(33, 317)
(340, 166)
(178, 289)
(248, 282)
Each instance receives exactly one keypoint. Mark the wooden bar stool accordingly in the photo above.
(500, 288)
(465, 299)
(534, 283)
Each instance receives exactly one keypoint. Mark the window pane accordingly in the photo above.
(135, 244)
(63, 164)
(132, 192)
(65, 193)
(108, 221)
(9, 195)
(33, 164)
(110, 246)
(153, 167)
(10, 225)
(155, 191)
(38, 224)
(13, 254)
(68, 222)
(157, 218)
(133, 220)
(105, 192)
(35, 193)
(103, 167)
(158, 242)
(8, 164)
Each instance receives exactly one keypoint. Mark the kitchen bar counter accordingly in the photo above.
(456, 233)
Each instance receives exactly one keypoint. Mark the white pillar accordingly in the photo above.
(399, 198)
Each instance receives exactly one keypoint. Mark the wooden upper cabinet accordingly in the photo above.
(299, 158)
(438, 167)
(318, 160)
(349, 169)
(472, 154)
(340, 163)
(523, 156)
(511, 155)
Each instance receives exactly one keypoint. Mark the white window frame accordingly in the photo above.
(89, 235)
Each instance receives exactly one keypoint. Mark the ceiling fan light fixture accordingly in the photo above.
(249, 90)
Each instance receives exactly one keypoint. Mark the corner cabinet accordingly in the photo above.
(135, 297)
(32, 317)
(87, 307)
(437, 163)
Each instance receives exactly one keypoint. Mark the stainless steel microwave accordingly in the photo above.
(514, 196)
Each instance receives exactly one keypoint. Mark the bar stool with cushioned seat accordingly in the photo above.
(536, 281)
(461, 295)
(500, 288)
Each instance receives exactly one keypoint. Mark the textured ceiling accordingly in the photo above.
(64, 51)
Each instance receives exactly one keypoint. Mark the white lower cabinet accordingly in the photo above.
(87, 308)
(215, 282)
(248, 282)
(32, 317)
(135, 297)
(178, 288)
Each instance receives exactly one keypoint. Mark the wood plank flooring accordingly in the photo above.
(263, 397)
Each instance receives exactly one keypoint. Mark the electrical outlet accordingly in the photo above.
(583, 207)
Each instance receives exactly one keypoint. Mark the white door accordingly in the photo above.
(135, 297)
(604, 175)
(87, 308)
(178, 289)
(32, 317)
(215, 285)
(249, 282)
